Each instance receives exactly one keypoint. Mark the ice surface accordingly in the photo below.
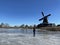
(23, 39)
(28, 39)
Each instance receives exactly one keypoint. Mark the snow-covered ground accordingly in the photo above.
(28, 39)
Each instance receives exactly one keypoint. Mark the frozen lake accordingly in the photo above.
(25, 37)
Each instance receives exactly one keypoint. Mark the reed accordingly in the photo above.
(51, 28)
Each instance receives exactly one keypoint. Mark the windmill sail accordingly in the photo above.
(42, 13)
(41, 19)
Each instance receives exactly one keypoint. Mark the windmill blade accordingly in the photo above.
(42, 13)
(48, 15)
(41, 19)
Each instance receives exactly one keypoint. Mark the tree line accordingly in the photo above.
(6, 25)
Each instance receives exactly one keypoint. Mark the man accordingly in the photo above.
(34, 31)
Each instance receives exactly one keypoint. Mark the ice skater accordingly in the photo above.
(34, 31)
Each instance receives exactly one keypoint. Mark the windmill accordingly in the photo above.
(45, 21)
(45, 18)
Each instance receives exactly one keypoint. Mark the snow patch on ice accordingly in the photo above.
(28, 39)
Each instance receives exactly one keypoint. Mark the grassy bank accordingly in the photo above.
(51, 28)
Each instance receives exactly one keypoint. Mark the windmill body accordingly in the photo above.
(45, 20)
